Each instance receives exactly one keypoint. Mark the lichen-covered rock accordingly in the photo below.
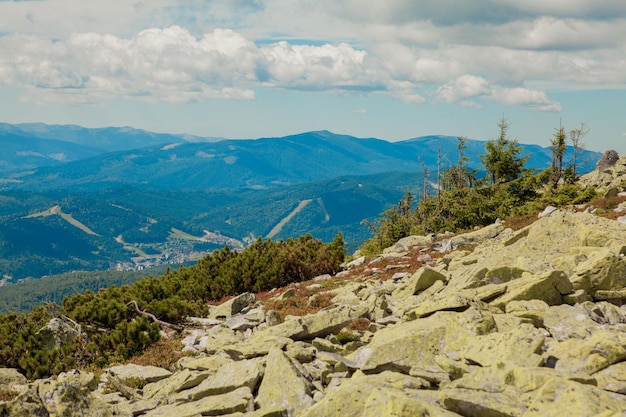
(569, 398)
(229, 377)
(385, 394)
(10, 377)
(70, 394)
(232, 306)
(600, 350)
(549, 287)
(283, 386)
(146, 374)
(237, 401)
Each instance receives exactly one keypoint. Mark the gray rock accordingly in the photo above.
(59, 332)
(283, 386)
(233, 306)
(147, 374)
(10, 377)
(229, 377)
(547, 211)
(238, 401)
(609, 159)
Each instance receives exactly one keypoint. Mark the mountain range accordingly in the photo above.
(79, 198)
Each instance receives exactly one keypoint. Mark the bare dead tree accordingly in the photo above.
(575, 137)
(425, 181)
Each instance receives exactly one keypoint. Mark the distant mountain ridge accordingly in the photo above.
(157, 198)
(171, 162)
(33, 145)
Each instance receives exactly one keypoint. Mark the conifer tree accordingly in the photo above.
(558, 150)
(502, 160)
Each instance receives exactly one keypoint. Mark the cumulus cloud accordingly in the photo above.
(537, 100)
(464, 87)
(181, 51)
(172, 65)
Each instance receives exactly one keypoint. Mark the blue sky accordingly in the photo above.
(392, 69)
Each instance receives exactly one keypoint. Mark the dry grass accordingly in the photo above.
(7, 394)
(519, 222)
(605, 206)
(164, 353)
(361, 324)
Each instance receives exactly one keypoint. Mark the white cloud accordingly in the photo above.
(318, 67)
(171, 65)
(179, 51)
(537, 100)
(464, 87)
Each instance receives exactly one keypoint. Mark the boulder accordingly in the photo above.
(146, 374)
(229, 377)
(59, 332)
(569, 398)
(283, 386)
(600, 350)
(233, 306)
(10, 377)
(237, 401)
(549, 287)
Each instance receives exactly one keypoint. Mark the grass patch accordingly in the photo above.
(164, 353)
(7, 394)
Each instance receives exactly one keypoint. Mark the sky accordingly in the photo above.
(390, 69)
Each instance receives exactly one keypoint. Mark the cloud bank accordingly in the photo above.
(512, 52)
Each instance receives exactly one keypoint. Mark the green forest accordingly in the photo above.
(112, 330)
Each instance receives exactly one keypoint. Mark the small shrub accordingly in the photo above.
(135, 382)
(346, 336)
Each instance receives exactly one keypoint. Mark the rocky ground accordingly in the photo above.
(496, 322)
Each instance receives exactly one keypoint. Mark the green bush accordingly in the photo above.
(113, 329)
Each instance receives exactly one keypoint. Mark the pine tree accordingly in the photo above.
(558, 150)
(502, 160)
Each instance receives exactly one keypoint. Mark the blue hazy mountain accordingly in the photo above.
(32, 145)
(252, 164)
(73, 198)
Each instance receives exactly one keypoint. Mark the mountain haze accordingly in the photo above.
(150, 198)
(257, 163)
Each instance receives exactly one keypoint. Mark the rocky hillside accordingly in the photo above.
(495, 322)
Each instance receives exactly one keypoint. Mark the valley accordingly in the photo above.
(126, 199)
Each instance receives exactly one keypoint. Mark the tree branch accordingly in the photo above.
(153, 317)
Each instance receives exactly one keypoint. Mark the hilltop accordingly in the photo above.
(504, 320)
